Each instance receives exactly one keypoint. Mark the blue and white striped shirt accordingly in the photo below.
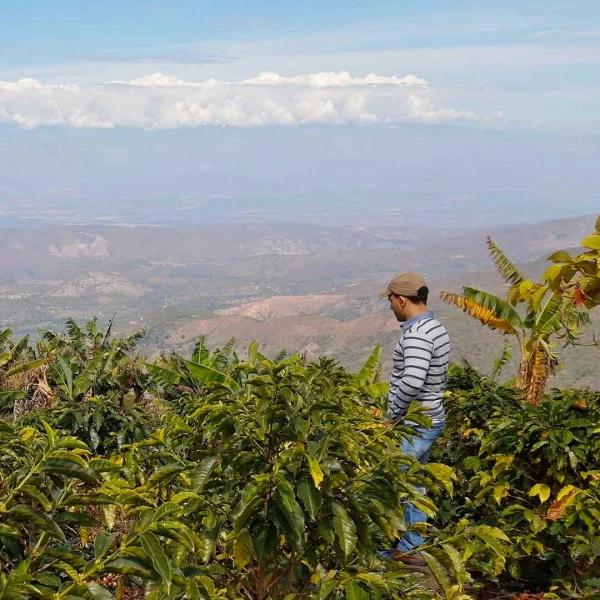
(420, 368)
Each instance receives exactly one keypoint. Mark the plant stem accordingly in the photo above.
(289, 579)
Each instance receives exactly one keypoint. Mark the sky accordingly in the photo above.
(500, 77)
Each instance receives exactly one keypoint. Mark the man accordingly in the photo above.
(419, 372)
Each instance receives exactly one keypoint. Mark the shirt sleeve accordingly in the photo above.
(418, 350)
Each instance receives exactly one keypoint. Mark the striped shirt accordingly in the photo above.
(420, 367)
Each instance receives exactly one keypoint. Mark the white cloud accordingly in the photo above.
(162, 102)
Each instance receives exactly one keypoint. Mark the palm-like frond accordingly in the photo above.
(20, 349)
(131, 341)
(203, 374)
(76, 337)
(24, 367)
(281, 355)
(501, 308)
(164, 376)
(5, 357)
(5, 336)
(55, 340)
(486, 315)
(201, 352)
(221, 357)
(504, 265)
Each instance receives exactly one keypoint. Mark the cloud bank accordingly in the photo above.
(162, 102)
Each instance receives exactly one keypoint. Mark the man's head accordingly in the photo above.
(407, 294)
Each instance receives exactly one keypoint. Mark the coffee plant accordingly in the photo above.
(213, 478)
(532, 471)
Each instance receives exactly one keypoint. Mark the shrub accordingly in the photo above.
(268, 479)
(533, 472)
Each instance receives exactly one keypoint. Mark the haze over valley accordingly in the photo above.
(299, 288)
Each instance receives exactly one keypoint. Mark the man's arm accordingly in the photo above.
(418, 350)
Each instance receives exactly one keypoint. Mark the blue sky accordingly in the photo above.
(515, 84)
(537, 63)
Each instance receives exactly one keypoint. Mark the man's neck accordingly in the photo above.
(416, 310)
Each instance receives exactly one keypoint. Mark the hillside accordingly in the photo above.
(347, 322)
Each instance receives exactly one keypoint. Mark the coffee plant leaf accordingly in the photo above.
(155, 552)
(293, 517)
(201, 473)
(250, 498)
(310, 496)
(103, 543)
(28, 514)
(345, 529)
(315, 470)
(164, 474)
(126, 565)
(439, 571)
(264, 540)
(326, 589)
(35, 494)
(354, 591)
(242, 548)
(69, 464)
(97, 592)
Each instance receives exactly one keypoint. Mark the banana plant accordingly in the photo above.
(23, 382)
(545, 318)
(88, 361)
(176, 376)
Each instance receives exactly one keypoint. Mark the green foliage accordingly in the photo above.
(103, 423)
(577, 278)
(530, 470)
(309, 479)
(537, 463)
(553, 310)
(237, 478)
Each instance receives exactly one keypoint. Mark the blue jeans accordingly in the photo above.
(419, 447)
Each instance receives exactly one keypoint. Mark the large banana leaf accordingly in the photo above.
(221, 357)
(500, 308)
(76, 337)
(5, 336)
(487, 308)
(201, 353)
(29, 366)
(163, 376)
(481, 313)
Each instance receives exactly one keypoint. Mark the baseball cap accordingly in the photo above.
(405, 284)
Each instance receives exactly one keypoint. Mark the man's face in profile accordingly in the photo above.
(397, 305)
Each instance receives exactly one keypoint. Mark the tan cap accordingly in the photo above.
(405, 284)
